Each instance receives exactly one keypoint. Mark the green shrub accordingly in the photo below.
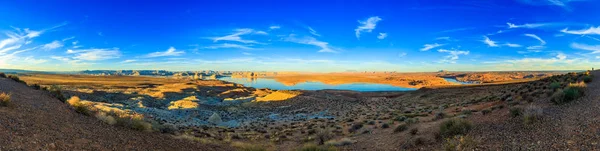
(459, 143)
(555, 85)
(486, 111)
(514, 112)
(454, 127)
(2, 75)
(141, 125)
(385, 125)
(400, 128)
(56, 91)
(35, 86)
(587, 79)
(466, 112)
(16, 78)
(570, 93)
(4, 99)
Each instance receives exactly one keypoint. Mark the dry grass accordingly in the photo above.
(5, 99)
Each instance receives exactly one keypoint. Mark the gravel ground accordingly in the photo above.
(37, 121)
(571, 126)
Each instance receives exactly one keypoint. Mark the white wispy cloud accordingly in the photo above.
(535, 25)
(595, 49)
(31, 60)
(53, 45)
(366, 25)
(542, 42)
(310, 41)
(512, 45)
(382, 36)
(313, 32)
(228, 45)
(453, 55)
(247, 53)
(169, 52)
(274, 27)
(589, 31)
(427, 47)
(128, 61)
(443, 38)
(402, 54)
(489, 42)
(95, 54)
(236, 36)
(69, 38)
(535, 48)
(561, 56)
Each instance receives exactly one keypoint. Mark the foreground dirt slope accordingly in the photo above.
(37, 121)
(572, 126)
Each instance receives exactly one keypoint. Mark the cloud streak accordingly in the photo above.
(228, 45)
(236, 36)
(489, 42)
(311, 41)
(382, 36)
(427, 47)
(542, 42)
(95, 54)
(589, 31)
(366, 26)
(453, 55)
(595, 49)
(169, 52)
(53, 45)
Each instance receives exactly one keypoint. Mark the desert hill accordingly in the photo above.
(37, 121)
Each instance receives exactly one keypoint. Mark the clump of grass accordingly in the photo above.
(400, 128)
(514, 112)
(341, 142)
(459, 143)
(555, 85)
(385, 125)
(5, 99)
(356, 126)
(248, 147)
(16, 78)
(79, 106)
(486, 111)
(466, 112)
(532, 114)
(106, 118)
(454, 127)
(323, 136)
(312, 147)
(587, 79)
(570, 93)
(56, 91)
(2, 75)
(35, 86)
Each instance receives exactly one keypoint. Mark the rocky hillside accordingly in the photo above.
(36, 121)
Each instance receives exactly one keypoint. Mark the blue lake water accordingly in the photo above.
(275, 85)
(453, 80)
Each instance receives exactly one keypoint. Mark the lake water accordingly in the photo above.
(453, 80)
(275, 85)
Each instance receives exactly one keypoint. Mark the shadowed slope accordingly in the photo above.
(37, 121)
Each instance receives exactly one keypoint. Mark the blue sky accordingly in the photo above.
(307, 35)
